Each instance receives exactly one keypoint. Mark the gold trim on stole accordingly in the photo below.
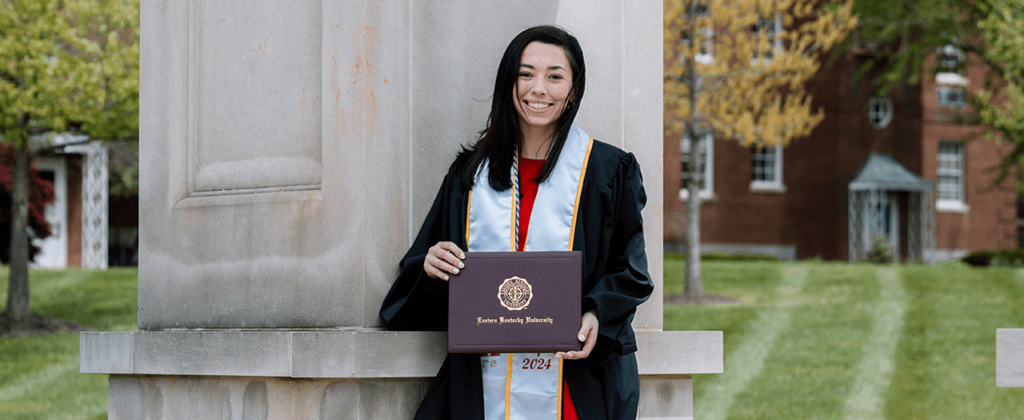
(579, 192)
(508, 387)
(469, 202)
(561, 385)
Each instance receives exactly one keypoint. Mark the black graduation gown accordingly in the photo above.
(609, 232)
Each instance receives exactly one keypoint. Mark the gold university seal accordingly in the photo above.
(515, 293)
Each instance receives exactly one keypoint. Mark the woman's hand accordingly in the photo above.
(587, 336)
(443, 259)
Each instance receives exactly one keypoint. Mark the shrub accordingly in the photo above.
(880, 252)
(714, 256)
(737, 257)
(996, 258)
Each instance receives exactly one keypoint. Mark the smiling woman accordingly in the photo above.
(534, 181)
(541, 94)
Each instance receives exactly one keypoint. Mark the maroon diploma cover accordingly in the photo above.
(505, 302)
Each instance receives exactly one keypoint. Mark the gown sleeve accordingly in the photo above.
(416, 301)
(623, 281)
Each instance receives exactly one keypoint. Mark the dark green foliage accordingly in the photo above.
(996, 258)
(736, 257)
(717, 256)
(881, 252)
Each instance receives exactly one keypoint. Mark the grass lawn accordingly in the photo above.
(819, 340)
(39, 376)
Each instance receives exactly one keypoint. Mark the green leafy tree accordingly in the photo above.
(991, 31)
(737, 69)
(65, 66)
(1000, 105)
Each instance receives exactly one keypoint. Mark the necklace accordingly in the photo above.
(537, 153)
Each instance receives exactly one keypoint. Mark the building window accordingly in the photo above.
(951, 89)
(950, 59)
(706, 167)
(952, 96)
(768, 27)
(950, 172)
(880, 111)
(766, 173)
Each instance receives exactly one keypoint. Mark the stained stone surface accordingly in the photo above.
(183, 397)
(179, 397)
(292, 149)
(666, 397)
(343, 353)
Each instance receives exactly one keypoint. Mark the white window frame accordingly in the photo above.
(943, 93)
(958, 205)
(948, 82)
(950, 78)
(707, 192)
(776, 41)
(774, 185)
(880, 110)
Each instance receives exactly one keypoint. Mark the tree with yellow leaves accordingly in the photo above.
(737, 69)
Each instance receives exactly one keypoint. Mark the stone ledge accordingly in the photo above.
(344, 353)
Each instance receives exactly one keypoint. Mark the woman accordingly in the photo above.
(529, 162)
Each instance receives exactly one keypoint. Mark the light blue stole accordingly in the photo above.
(527, 385)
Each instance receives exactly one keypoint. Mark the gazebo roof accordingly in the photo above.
(882, 172)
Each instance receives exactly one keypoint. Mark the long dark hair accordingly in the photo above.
(497, 143)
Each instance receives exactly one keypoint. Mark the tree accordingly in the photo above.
(991, 31)
(1000, 105)
(737, 69)
(65, 66)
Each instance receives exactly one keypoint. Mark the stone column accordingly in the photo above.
(289, 153)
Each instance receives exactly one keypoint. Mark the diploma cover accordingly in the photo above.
(516, 302)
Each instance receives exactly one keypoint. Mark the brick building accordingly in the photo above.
(794, 202)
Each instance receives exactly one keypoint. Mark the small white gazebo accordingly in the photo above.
(876, 192)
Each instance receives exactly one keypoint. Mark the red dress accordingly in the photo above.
(528, 170)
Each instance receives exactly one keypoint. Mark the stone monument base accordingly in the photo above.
(332, 374)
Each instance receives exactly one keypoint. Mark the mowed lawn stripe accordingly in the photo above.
(810, 371)
(33, 382)
(747, 361)
(874, 373)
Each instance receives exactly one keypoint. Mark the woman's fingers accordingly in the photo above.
(587, 336)
(452, 254)
(443, 259)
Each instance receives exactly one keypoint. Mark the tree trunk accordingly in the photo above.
(694, 287)
(17, 287)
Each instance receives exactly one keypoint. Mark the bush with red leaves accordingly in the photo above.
(40, 193)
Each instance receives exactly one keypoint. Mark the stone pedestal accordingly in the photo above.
(289, 153)
(361, 373)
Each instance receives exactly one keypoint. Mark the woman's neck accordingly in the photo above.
(537, 142)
